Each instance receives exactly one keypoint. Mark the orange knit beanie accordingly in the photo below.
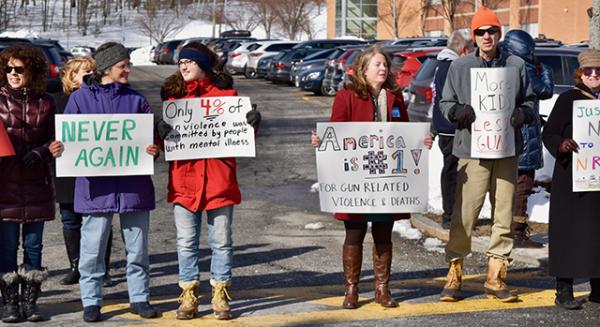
(483, 17)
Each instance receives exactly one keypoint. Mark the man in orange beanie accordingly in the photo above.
(476, 176)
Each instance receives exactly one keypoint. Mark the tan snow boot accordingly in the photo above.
(494, 285)
(220, 299)
(188, 300)
(453, 281)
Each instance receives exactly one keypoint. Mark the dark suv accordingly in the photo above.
(563, 62)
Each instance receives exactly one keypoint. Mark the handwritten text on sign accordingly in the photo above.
(372, 167)
(208, 128)
(493, 94)
(586, 132)
(104, 144)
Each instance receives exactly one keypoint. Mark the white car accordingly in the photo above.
(81, 51)
(266, 48)
(237, 59)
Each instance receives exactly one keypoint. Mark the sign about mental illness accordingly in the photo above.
(211, 127)
(372, 167)
(493, 94)
(105, 144)
(586, 132)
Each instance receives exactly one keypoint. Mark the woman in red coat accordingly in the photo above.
(202, 185)
(371, 95)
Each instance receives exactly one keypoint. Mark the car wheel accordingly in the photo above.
(328, 91)
(249, 74)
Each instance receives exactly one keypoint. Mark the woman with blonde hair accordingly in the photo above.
(370, 95)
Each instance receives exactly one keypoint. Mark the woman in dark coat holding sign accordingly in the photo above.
(107, 91)
(202, 185)
(26, 191)
(574, 222)
(371, 96)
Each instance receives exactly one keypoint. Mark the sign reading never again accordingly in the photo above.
(366, 167)
(208, 127)
(104, 144)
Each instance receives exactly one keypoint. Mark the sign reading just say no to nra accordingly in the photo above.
(104, 144)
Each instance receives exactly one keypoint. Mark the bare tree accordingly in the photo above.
(293, 15)
(447, 9)
(263, 11)
(594, 13)
(160, 25)
(239, 18)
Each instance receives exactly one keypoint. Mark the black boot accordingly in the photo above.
(564, 294)
(9, 286)
(595, 293)
(107, 280)
(521, 236)
(31, 287)
(72, 238)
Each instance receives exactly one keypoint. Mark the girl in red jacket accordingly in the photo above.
(202, 185)
(370, 95)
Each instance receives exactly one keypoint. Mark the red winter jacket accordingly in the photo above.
(348, 107)
(204, 184)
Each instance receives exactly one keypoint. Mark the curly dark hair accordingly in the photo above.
(34, 60)
(174, 85)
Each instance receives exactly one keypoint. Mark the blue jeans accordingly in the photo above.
(95, 231)
(32, 246)
(70, 219)
(188, 242)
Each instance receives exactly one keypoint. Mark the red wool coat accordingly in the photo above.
(204, 184)
(348, 107)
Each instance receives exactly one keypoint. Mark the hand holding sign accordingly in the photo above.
(568, 146)
(463, 114)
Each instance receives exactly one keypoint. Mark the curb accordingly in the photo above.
(531, 257)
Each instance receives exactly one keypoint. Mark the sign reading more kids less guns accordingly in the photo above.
(493, 94)
(104, 144)
(586, 132)
(211, 127)
(366, 167)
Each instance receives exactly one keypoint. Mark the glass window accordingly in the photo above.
(572, 65)
(554, 62)
(359, 16)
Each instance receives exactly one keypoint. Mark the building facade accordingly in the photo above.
(564, 20)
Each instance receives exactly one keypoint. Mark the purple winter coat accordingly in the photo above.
(114, 194)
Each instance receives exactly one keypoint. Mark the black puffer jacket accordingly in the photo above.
(26, 193)
(521, 44)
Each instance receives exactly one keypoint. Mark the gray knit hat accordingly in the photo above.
(106, 58)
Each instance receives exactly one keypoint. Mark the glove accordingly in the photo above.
(463, 114)
(253, 117)
(31, 159)
(163, 129)
(567, 146)
(518, 118)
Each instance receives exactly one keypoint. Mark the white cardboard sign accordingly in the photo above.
(586, 132)
(366, 167)
(493, 94)
(208, 127)
(104, 144)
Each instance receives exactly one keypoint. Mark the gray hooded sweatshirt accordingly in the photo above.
(457, 90)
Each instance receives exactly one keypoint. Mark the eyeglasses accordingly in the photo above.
(491, 31)
(589, 70)
(185, 63)
(18, 69)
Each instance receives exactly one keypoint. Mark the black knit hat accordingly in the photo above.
(106, 58)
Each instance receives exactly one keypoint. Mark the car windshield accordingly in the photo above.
(427, 70)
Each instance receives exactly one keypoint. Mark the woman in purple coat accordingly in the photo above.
(99, 198)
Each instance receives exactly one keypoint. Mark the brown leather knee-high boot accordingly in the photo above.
(382, 265)
(352, 262)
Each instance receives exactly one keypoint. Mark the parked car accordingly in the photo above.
(419, 42)
(563, 62)
(315, 60)
(167, 49)
(82, 50)
(310, 73)
(281, 65)
(326, 44)
(264, 65)
(238, 58)
(267, 48)
(203, 40)
(335, 69)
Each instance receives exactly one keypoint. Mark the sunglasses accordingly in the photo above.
(18, 69)
(490, 31)
(589, 70)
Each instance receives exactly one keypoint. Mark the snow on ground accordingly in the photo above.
(434, 245)
(404, 228)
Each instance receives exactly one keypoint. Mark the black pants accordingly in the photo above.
(448, 177)
(356, 231)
